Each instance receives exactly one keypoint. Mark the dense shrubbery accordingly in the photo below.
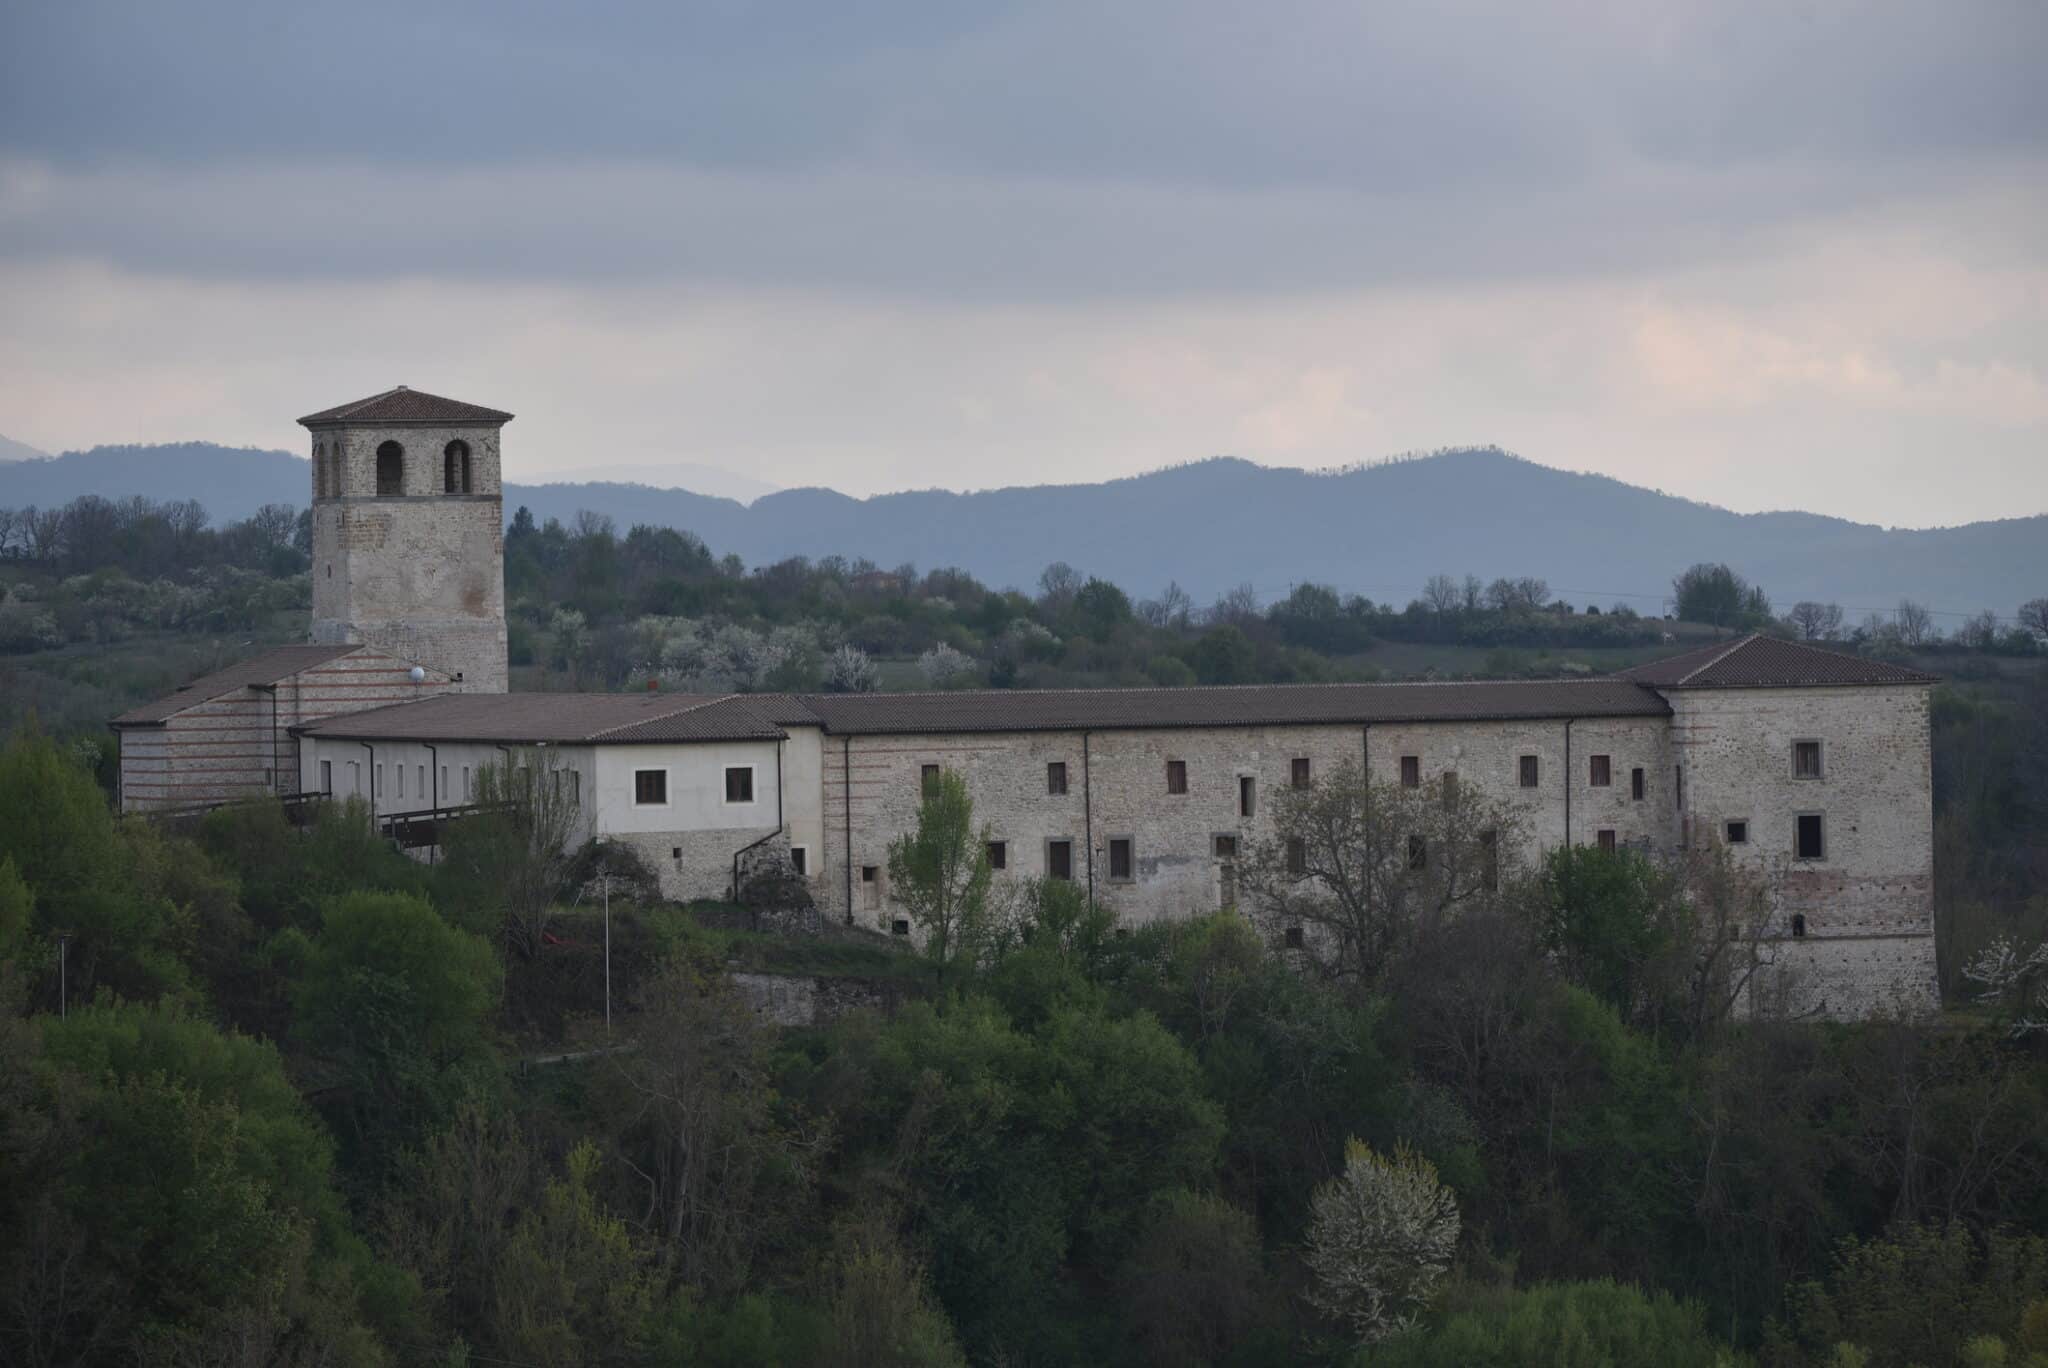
(282, 1115)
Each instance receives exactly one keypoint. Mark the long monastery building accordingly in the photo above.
(1811, 766)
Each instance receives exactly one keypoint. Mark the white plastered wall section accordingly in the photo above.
(690, 838)
(1867, 903)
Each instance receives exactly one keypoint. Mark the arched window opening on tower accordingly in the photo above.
(455, 468)
(391, 468)
(319, 471)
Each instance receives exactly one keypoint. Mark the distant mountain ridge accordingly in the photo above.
(11, 450)
(1378, 530)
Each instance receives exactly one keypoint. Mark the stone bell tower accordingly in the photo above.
(408, 532)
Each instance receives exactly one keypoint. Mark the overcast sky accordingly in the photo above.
(1790, 254)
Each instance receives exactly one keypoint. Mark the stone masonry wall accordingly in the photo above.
(1875, 880)
(703, 868)
(420, 574)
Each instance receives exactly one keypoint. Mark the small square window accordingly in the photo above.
(650, 786)
(998, 854)
(900, 926)
(1606, 839)
(1247, 795)
(1529, 771)
(1225, 847)
(799, 860)
(1418, 853)
(1411, 771)
(1806, 760)
(1056, 777)
(1299, 772)
(1297, 855)
(1294, 938)
(1602, 771)
(1638, 782)
(1811, 837)
(739, 783)
(1120, 859)
(675, 853)
(1738, 833)
(1059, 859)
(928, 781)
(1176, 776)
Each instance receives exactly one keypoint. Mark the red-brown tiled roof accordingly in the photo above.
(268, 668)
(406, 406)
(555, 718)
(1761, 662)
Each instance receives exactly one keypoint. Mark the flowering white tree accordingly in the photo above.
(849, 670)
(2015, 983)
(1380, 1237)
(943, 667)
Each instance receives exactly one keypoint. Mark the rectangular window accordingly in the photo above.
(1176, 776)
(1059, 859)
(1637, 783)
(327, 776)
(1411, 771)
(1418, 853)
(998, 854)
(1056, 777)
(739, 783)
(900, 926)
(800, 860)
(1738, 833)
(1298, 772)
(870, 887)
(928, 781)
(1297, 855)
(1294, 938)
(1247, 795)
(1602, 771)
(676, 853)
(650, 786)
(1529, 771)
(355, 778)
(1606, 839)
(1226, 847)
(444, 795)
(401, 781)
(1806, 759)
(1811, 839)
(1119, 859)
(468, 784)
(377, 780)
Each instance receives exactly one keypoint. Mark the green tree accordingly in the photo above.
(1714, 593)
(1561, 1325)
(1194, 1284)
(395, 1006)
(940, 872)
(1224, 655)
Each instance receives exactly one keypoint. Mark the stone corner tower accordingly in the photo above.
(409, 532)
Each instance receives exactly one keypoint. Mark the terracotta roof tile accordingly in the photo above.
(1761, 662)
(402, 405)
(268, 668)
(555, 718)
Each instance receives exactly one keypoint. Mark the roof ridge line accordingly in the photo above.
(1716, 659)
(603, 732)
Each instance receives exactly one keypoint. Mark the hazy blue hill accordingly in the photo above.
(11, 450)
(1378, 530)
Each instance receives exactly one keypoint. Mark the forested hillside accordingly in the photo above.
(1210, 526)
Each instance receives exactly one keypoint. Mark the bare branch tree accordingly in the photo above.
(518, 850)
(1816, 621)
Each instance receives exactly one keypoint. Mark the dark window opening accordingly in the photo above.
(1529, 771)
(1298, 772)
(327, 776)
(391, 468)
(1806, 759)
(1056, 777)
(739, 783)
(1120, 859)
(1059, 859)
(455, 468)
(1798, 923)
(1418, 853)
(1247, 795)
(870, 887)
(1297, 855)
(900, 927)
(998, 854)
(1176, 776)
(928, 781)
(1602, 771)
(675, 852)
(1294, 938)
(650, 786)
(1738, 833)
(1606, 839)
(799, 860)
(1811, 838)
(1637, 783)
(1226, 847)
(1411, 771)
